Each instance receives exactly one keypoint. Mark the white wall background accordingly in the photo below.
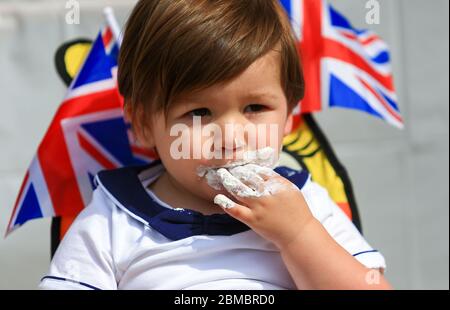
(400, 178)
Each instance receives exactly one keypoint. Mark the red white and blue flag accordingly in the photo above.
(343, 66)
(87, 134)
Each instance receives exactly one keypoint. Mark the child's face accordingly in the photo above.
(256, 97)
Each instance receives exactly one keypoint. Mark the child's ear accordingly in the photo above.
(143, 136)
(127, 111)
(289, 124)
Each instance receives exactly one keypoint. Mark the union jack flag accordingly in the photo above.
(343, 66)
(87, 134)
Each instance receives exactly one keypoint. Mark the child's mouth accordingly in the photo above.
(265, 157)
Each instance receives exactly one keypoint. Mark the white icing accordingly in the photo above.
(253, 176)
(265, 157)
(234, 185)
(243, 181)
(224, 201)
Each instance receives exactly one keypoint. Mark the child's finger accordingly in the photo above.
(248, 177)
(234, 186)
(265, 172)
(224, 202)
(236, 210)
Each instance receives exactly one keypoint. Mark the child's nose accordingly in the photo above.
(233, 136)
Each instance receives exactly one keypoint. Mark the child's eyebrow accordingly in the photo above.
(184, 106)
(262, 95)
(192, 101)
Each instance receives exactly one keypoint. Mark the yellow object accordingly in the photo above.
(75, 56)
(305, 147)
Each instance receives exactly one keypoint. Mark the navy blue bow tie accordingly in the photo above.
(125, 186)
(177, 225)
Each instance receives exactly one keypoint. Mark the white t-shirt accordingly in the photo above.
(121, 241)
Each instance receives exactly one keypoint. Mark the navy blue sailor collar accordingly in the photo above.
(124, 186)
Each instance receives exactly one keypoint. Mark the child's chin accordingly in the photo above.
(211, 192)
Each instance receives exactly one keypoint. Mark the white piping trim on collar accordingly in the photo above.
(118, 204)
(159, 201)
(149, 176)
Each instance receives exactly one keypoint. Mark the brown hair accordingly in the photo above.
(176, 46)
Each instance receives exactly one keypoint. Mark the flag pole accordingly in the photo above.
(112, 22)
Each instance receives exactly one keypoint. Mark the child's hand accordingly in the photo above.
(268, 203)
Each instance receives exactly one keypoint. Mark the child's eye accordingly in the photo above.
(254, 108)
(200, 112)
